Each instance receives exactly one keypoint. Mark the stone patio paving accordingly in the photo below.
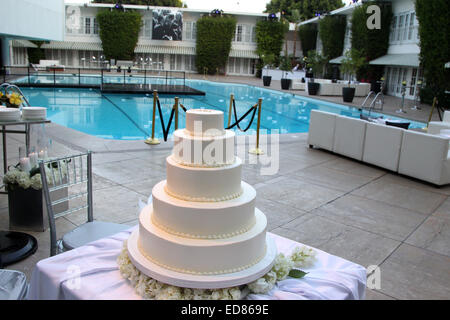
(356, 211)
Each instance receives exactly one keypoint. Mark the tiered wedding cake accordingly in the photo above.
(203, 230)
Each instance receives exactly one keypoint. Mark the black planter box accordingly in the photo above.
(267, 80)
(375, 87)
(313, 88)
(348, 94)
(28, 211)
(285, 84)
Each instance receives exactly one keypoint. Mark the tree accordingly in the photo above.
(306, 8)
(158, 3)
(434, 27)
(269, 38)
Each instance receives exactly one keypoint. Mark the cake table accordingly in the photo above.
(91, 272)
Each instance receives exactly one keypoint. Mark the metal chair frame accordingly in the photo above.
(66, 182)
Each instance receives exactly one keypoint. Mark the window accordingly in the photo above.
(393, 28)
(95, 26)
(189, 63)
(238, 35)
(400, 27)
(412, 22)
(190, 30)
(403, 27)
(254, 34)
(87, 25)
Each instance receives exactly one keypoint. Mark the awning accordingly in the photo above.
(249, 54)
(147, 48)
(337, 60)
(68, 45)
(87, 46)
(407, 60)
(23, 43)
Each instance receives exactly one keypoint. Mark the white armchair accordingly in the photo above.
(382, 146)
(425, 157)
(349, 136)
(321, 129)
(435, 127)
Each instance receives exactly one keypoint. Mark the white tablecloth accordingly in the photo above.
(91, 272)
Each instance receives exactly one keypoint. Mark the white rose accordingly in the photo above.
(282, 266)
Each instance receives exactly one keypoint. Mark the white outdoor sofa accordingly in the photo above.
(435, 127)
(415, 154)
(328, 88)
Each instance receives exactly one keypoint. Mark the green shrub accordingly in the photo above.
(36, 54)
(214, 36)
(269, 38)
(332, 33)
(119, 32)
(371, 43)
(435, 50)
(308, 37)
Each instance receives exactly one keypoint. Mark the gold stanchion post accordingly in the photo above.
(153, 140)
(431, 113)
(176, 112)
(230, 110)
(257, 150)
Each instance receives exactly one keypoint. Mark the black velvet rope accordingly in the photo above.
(253, 108)
(165, 130)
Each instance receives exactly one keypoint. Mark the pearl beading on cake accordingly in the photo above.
(195, 236)
(233, 270)
(196, 165)
(203, 199)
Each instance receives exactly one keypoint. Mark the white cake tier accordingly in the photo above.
(204, 122)
(207, 220)
(202, 256)
(203, 184)
(203, 151)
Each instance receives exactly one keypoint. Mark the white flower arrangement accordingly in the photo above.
(149, 288)
(17, 177)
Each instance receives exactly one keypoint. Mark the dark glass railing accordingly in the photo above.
(61, 76)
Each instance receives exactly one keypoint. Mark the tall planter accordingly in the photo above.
(313, 88)
(285, 84)
(267, 80)
(27, 208)
(348, 94)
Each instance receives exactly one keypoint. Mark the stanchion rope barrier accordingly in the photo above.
(167, 129)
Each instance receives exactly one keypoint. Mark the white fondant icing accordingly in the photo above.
(204, 184)
(199, 151)
(202, 256)
(201, 122)
(204, 219)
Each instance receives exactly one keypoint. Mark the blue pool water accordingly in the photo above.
(129, 117)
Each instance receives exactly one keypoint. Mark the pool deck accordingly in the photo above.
(356, 211)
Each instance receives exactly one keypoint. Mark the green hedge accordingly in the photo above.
(434, 28)
(119, 32)
(308, 37)
(371, 43)
(332, 33)
(36, 54)
(270, 37)
(214, 36)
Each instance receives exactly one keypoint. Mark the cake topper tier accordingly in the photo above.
(204, 122)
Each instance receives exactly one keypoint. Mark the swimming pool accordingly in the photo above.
(129, 117)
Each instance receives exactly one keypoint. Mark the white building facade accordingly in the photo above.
(82, 47)
(401, 63)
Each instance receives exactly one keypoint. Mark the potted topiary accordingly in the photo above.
(268, 61)
(316, 62)
(285, 66)
(351, 63)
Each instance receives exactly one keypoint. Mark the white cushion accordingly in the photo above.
(91, 231)
(425, 157)
(446, 117)
(435, 127)
(382, 146)
(298, 85)
(321, 129)
(349, 137)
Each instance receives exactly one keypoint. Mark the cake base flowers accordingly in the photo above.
(149, 288)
